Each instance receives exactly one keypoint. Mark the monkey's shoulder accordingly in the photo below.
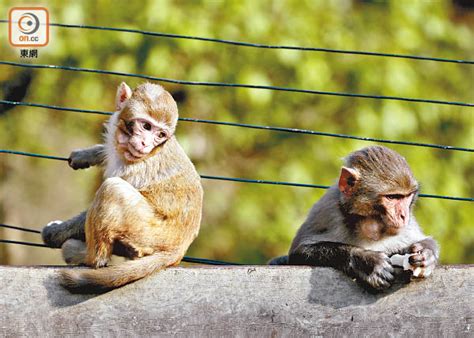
(323, 223)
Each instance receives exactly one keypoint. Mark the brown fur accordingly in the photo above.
(148, 210)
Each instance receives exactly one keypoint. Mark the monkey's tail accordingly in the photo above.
(108, 278)
(281, 260)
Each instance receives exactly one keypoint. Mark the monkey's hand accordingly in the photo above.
(79, 159)
(424, 255)
(372, 269)
(85, 158)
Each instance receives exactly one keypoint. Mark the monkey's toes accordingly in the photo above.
(50, 234)
(416, 247)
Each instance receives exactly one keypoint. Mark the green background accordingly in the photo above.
(249, 223)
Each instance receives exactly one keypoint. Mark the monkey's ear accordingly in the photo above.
(123, 94)
(348, 180)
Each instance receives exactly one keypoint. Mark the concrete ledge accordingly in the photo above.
(251, 301)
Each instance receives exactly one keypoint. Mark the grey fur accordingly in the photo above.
(55, 234)
(88, 157)
(330, 234)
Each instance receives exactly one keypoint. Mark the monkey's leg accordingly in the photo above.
(57, 232)
(85, 158)
(370, 268)
(119, 212)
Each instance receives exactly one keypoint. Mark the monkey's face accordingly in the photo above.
(377, 184)
(396, 211)
(137, 138)
(147, 119)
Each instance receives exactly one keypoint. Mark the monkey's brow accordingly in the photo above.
(404, 195)
(152, 121)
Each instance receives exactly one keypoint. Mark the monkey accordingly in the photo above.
(147, 209)
(363, 219)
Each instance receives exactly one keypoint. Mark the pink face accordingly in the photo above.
(397, 208)
(136, 138)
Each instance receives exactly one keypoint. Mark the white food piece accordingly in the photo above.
(423, 272)
(401, 260)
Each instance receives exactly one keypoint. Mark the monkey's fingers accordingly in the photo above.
(416, 247)
(77, 164)
(382, 276)
(378, 282)
(422, 259)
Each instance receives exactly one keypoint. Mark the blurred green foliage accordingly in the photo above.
(248, 222)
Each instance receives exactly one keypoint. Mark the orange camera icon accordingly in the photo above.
(28, 26)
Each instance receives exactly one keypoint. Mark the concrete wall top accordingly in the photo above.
(244, 301)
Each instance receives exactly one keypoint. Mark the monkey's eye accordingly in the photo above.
(162, 134)
(394, 196)
(129, 126)
(147, 126)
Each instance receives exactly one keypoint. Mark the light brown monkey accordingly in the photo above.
(363, 219)
(149, 206)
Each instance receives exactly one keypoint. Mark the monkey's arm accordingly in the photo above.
(85, 158)
(56, 233)
(371, 268)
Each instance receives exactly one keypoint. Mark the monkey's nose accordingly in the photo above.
(404, 217)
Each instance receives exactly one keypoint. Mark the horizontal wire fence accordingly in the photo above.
(251, 126)
(186, 259)
(254, 45)
(235, 85)
(240, 180)
(41, 245)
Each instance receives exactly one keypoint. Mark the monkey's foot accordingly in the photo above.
(52, 234)
(101, 263)
(74, 251)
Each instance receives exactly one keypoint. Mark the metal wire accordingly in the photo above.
(233, 85)
(252, 126)
(244, 180)
(185, 258)
(19, 228)
(7, 241)
(14, 152)
(256, 45)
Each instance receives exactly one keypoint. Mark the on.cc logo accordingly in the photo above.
(28, 23)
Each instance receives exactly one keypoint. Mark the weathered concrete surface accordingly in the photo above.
(253, 301)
